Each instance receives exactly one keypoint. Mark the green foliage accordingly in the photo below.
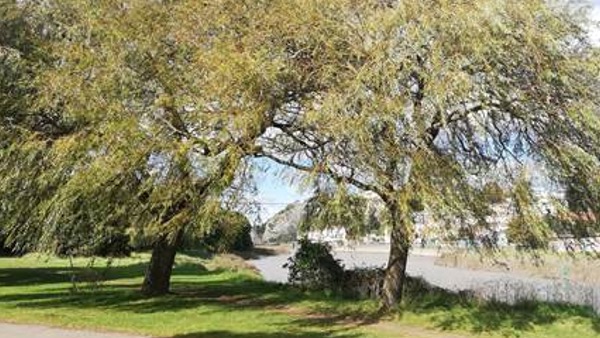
(529, 234)
(112, 123)
(17, 57)
(134, 127)
(528, 229)
(4, 249)
(110, 243)
(230, 233)
(113, 245)
(582, 217)
(436, 93)
(340, 209)
(313, 267)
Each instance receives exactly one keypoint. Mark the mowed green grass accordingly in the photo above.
(221, 297)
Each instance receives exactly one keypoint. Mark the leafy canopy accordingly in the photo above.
(435, 97)
(141, 114)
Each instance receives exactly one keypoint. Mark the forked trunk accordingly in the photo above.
(396, 270)
(158, 275)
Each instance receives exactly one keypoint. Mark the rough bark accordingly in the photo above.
(396, 270)
(157, 280)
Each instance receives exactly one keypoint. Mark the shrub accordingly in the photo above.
(529, 233)
(231, 232)
(527, 229)
(106, 242)
(313, 267)
(8, 249)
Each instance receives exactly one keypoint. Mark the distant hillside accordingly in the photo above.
(283, 226)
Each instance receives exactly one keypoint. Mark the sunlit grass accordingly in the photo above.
(223, 297)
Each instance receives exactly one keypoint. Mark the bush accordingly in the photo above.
(6, 250)
(106, 242)
(313, 267)
(231, 232)
(528, 230)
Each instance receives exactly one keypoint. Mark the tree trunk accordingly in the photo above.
(158, 274)
(396, 270)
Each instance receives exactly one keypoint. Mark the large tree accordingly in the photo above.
(141, 116)
(431, 96)
(18, 56)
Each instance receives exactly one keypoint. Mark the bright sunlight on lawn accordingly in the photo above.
(223, 297)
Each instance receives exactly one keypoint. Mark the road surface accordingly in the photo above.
(36, 331)
(505, 287)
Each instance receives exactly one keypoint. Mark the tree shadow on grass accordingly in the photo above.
(229, 334)
(195, 288)
(52, 275)
(220, 289)
(192, 285)
(226, 291)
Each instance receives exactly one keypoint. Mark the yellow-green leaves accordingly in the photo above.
(158, 103)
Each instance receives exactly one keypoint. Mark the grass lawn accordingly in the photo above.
(221, 297)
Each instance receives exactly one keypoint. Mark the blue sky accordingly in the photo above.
(275, 191)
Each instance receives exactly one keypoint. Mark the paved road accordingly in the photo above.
(501, 286)
(271, 267)
(36, 331)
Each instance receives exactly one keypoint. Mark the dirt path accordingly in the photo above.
(36, 331)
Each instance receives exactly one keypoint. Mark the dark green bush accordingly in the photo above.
(8, 250)
(231, 232)
(529, 233)
(313, 267)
